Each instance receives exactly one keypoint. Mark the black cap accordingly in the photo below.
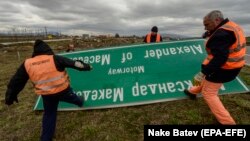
(154, 29)
(41, 48)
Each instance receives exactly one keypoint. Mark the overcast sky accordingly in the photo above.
(125, 17)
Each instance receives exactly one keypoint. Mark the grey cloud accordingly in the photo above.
(129, 17)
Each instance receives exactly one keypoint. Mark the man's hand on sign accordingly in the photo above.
(198, 78)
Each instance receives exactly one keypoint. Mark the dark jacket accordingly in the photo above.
(20, 78)
(219, 45)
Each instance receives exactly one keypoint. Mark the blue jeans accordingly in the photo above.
(50, 104)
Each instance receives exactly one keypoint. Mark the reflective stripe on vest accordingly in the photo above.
(236, 52)
(44, 75)
(158, 37)
(50, 87)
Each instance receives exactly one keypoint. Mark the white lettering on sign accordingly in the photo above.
(127, 70)
(126, 57)
(116, 94)
(158, 53)
(161, 88)
(98, 59)
(168, 87)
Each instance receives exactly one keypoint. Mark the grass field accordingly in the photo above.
(19, 122)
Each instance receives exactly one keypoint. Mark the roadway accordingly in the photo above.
(52, 40)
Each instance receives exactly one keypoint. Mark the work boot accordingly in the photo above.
(190, 95)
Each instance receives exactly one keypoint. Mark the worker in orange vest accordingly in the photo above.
(51, 81)
(226, 48)
(153, 36)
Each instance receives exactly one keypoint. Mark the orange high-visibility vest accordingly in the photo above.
(44, 75)
(158, 37)
(237, 51)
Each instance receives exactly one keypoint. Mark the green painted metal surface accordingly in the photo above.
(138, 74)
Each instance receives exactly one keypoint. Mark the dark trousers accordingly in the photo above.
(50, 104)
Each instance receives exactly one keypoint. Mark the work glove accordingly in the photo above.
(198, 78)
(80, 64)
(10, 98)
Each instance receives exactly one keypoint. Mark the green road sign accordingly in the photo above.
(138, 74)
